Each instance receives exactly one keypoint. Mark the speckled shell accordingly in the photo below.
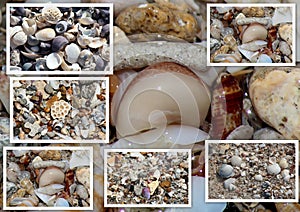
(226, 108)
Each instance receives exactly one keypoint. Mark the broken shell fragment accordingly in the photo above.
(29, 26)
(59, 43)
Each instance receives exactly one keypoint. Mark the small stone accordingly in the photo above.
(243, 173)
(258, 177)
(285, 48)
(82, 192)
(283, 163)
(83, 176)
(273, 169)
(286, 33)
(236, 161)
(138, 190)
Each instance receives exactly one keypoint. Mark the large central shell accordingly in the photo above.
(162, 94)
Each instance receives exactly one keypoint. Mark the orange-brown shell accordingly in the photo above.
(226, 107)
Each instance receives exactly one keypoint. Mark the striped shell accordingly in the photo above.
(226, 107)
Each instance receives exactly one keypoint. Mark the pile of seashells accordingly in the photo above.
(260, 170)
(252, 34)
(59, 109)
(54, 38)
(48, 178)
(148, 178)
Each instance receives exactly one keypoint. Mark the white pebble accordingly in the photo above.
(283, 163)
(274, 169)
(258, 177)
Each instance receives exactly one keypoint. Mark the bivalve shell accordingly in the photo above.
(254, 32)
(274, 169)
(72, 52)
(51, 175)
(53, 61)
(46, 34)
(225, 171)
(29, 26)
(20, 38)
(59, 43)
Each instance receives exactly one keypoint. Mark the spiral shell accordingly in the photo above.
(187, 103)
(226, 108)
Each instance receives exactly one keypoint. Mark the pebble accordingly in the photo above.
(283, 163)
(228, 184)
(284, 47)
(236, 161)
(273, 169)
(258, 177)
(225, 171)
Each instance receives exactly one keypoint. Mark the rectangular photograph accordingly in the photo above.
(252, 171)
(147, 178)
(61, 109)
(251, 34)
(59, 38)
(48, 178)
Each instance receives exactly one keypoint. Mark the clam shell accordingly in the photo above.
(254, 32)
(72, 52)
(46, 34)
(20, 38)
(59, 43)
(51, 175)
(85, 57)
(53, 61)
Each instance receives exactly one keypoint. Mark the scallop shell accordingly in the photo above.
(254, 32)
(137, 112)
(46, 34)
(53, 61)
(72, 52)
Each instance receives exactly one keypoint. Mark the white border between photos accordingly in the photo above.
(295, 142)
(292, 5)
(81, 73)
(148, 205)
(85, 141)
(65, 148)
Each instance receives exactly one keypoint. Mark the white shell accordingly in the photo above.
(186, 103)
(263, 58)
(51, 189)
(53, 61)
(61, 202)
(29, 26)
(254, 45)
(274, 169)
(79, 158)
(282, 15)
(46, 34)
(254, 32)
(72, 52)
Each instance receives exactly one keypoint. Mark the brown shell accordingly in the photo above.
(226, 107)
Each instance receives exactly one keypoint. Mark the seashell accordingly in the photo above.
(60, 109)
(96, 43)
(85, 57)
(236, 160)
(258, 177)
(72, 52)
(31, 201)
(53, 61)
(228, 184)
(216, 28)
(283, 163)
(14, 20)
(51, 14)
(243, 132)
(47, 199)
(32, 41)
(226, 171)
(263, 58)
(61, 202)
(51, 189)
(59, 43)
(73, 67)
(15, 57)
(51, 175)
(228, 58)
(273, 169)
(21, 11)
(273, 88)
(14, 30)
(45, 48)
(31, 55)
(86, 21)
(45, 34)
(19, 153)
(83, 176)
(79, 158)
(267, 134)
(18, 39)
(226, 107)
(27, 185)
(154, 83)
(286, 33)
(83, 41)
(61, 27)
(254, 45)
(70, 36)
(29, 26)
(282, 15)
(82, 192)
(40, 65)
(254, 32)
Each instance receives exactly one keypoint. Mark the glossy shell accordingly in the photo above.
(51, 175)
(254, 32)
